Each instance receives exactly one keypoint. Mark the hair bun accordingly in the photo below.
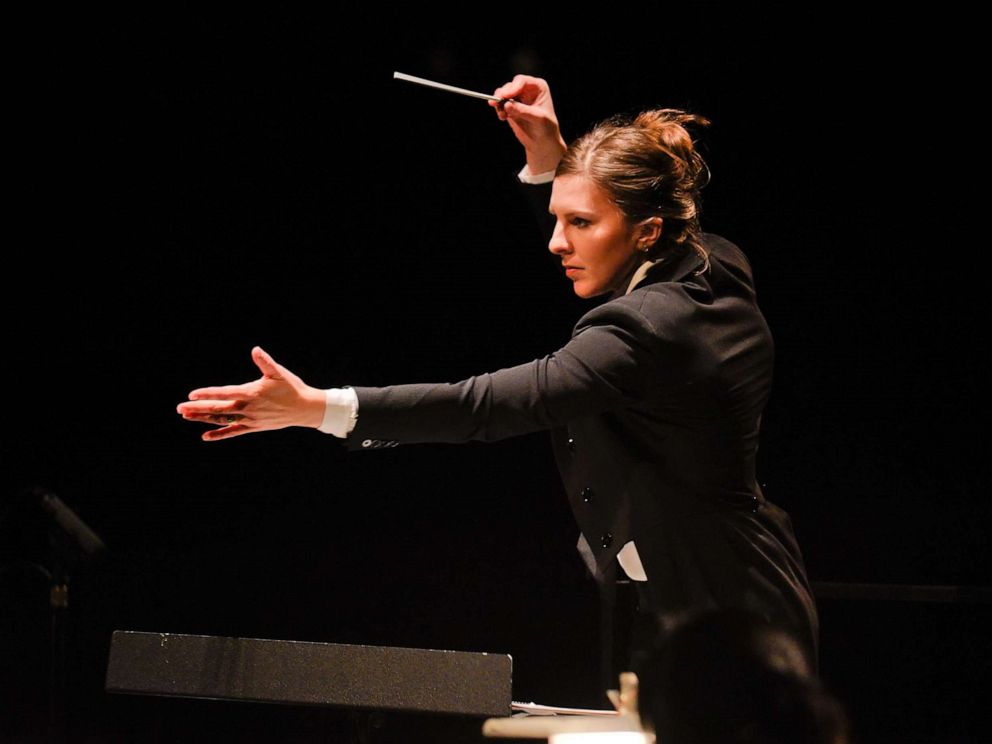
(671, 130)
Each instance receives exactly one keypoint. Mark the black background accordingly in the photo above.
(187, 187)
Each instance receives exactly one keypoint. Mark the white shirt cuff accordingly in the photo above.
(526, 176)
(340, 412)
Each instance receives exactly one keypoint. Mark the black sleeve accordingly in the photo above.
(610, 363)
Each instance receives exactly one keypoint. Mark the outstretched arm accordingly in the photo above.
(610, 363)
(279, 398)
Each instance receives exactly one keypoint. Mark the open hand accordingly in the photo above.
(274, 401)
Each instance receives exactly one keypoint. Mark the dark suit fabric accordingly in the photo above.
(654, 408)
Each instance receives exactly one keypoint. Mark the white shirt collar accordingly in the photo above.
(642, 271)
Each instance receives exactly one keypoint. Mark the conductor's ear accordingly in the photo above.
(649, 232)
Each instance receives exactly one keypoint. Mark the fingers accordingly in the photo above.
(498, 105)
(231, 424)
(266, 363)
(225, 433)
(263, 360)
(208, 409)
(525, 90)
(224, 392)
(517, 110)
(217, 413)
(523, 87)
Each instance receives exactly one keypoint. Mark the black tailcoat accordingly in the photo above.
(654, 407)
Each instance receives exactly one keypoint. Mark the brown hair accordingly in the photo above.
(649, 167)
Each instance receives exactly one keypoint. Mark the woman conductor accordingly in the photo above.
(654, 404)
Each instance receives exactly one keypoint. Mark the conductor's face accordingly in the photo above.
(592, 237)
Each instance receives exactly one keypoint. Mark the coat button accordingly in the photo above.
(606, 540)
(367, 443)
(571, 444)
(586, 494)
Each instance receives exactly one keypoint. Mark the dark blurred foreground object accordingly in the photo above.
(308, 673)
(363, 680)
(42, 534)
(729, 676)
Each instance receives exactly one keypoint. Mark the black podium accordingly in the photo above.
(383, 692)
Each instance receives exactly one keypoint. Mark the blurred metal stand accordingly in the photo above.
(34, 513)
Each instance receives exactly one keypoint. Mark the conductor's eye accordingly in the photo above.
(580, 221)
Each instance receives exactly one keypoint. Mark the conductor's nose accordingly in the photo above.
(558, 244)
